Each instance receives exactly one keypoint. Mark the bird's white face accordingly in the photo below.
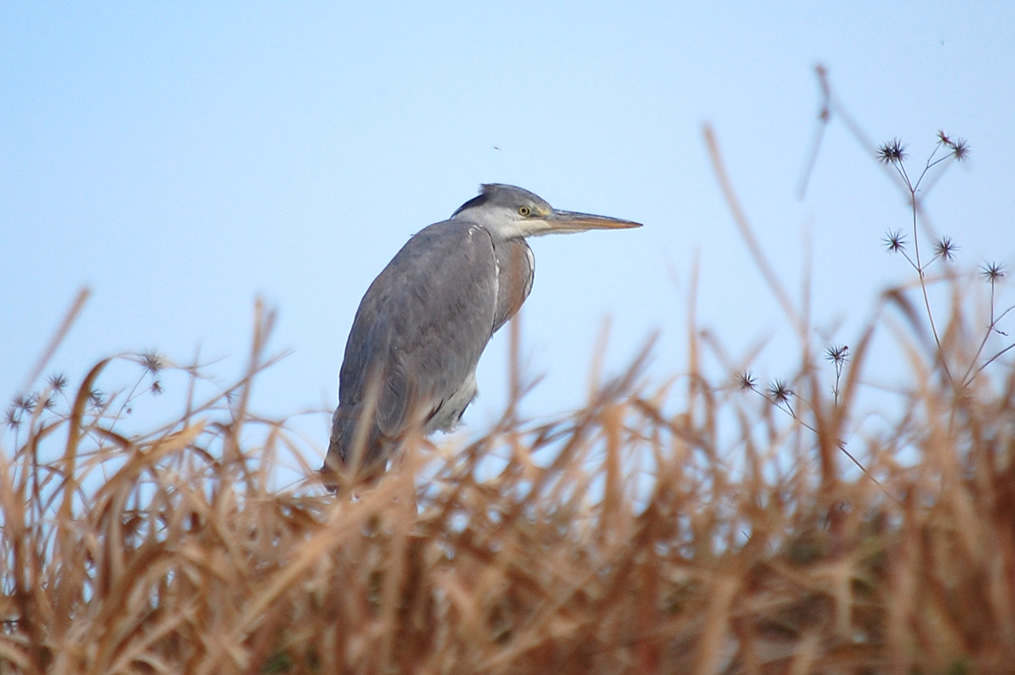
(507, 222)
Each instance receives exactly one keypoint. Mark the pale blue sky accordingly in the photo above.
(180, 159)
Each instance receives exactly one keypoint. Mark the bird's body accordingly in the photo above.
(423, 346)
(417, 337)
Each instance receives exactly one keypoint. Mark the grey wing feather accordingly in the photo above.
(422, 325)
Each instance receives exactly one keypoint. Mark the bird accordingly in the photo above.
(420, 330)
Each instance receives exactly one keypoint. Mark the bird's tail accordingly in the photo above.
(357, 453)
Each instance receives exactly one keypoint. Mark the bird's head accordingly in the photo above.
(509, 212)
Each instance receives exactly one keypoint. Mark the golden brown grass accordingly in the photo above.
(640, 545)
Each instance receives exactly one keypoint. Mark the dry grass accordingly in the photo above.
(690, 526)
(639, 546)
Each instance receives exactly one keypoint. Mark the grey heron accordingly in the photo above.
(410, 360)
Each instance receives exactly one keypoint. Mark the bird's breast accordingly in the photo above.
(515, 272)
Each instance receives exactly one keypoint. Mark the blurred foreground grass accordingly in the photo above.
(636, 547)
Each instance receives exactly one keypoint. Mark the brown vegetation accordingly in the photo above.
(640, 547)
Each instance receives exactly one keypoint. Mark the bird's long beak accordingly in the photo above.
(573, 221)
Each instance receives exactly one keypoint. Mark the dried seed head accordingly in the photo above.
(57, 381)
(837, 354)
(780, 391)
(152, 362)
(992, 271)
(892, 152)
(894, 241)
(958, 146)
(12, 418)
(25, 404)
(946, 248)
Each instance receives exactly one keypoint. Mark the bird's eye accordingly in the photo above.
(524, 211)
